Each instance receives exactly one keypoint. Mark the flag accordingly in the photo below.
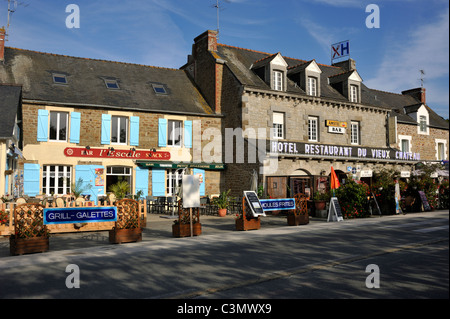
(334, 180)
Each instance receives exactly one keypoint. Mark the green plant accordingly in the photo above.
(223, 201)
(325, 196)
(78, 188)
(352, 197)
(120, 189)
(4, 217)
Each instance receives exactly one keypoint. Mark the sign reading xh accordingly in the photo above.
(339, 50)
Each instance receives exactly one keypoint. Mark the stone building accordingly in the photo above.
(302, 117)
(105, 121)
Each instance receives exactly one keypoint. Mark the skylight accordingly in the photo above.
(59, 78)
(159, 89)
(112, 84)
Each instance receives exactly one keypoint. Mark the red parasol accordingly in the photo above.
(334, 180)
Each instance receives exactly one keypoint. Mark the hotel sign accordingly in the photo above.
(336, 152)
(122, 154)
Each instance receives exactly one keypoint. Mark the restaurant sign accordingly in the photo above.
(112, 153)
(73, 215)
(335, 151)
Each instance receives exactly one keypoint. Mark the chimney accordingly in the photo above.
(418, 93)
(2, 43)
(206, 41)
(347, 65)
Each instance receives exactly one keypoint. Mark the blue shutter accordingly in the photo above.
(42, 129)
(162, 132)
(158, 182)
(142, 180)
(87, 174)
(188, 134)
(31, 179)
(134, 130)
(202, 185)
(106, 129)
(75, 119)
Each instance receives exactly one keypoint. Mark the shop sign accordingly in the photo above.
(336, 123)
(277, 204)
(79, 215)
(335, 151)
(336, 130)
(405, 174)
(150, 164)
(366, 173)
(122, 154)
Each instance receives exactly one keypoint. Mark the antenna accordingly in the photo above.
(11, 11)
(219, 7)
(422, 73)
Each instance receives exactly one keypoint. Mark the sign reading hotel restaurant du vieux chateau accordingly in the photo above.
(335, 151)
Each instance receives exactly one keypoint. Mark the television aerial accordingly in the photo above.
(219, 7)
(12, 7)
(422, 73)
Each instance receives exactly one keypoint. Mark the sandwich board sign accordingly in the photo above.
(254, 204)
(191, 191)
(334, 212)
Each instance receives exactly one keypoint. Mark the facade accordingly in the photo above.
(311, 117)
(104, 122)
(10, 140)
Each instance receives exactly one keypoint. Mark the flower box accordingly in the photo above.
(184, 230)
(295, 220)
(119, 236)
(245, 223)
(20, 246)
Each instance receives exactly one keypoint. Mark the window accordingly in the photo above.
(174, 133)
(354, 138)
(312, 86)
(56, 180)
(58, 126)
(59, 78)
(112, 84)
(174, 179)
(441, 149)
(423, 123)
(278, 80)
(115, 174)
(354, 93)
(278, 125)
(313, 129)
(119, 130)
(405, 146)
(159, 89)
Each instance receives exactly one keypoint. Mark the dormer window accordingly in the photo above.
(423, 124)
(277, 80)
(312, 86)
(354, 93)
(272, 70)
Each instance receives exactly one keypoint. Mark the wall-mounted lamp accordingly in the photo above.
(88, 147)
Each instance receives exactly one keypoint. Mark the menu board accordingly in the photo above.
(254, 204)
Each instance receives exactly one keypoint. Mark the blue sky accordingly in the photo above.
(413, 34)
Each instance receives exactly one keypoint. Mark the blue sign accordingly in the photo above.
(277, 204)
(73, 215)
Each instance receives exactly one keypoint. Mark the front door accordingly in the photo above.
(277, 187)
(300, 185)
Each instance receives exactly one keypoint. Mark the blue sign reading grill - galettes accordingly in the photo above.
(79, 215)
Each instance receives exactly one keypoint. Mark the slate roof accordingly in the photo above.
(86, 85)
(240, 61)
(10, 99)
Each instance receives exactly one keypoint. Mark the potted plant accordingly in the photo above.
(222, 202)
(78, 188)
(4, 219)
(127, 227)
(120, 189)
(321, 199)
(182, 226)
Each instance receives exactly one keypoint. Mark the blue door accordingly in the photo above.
(89, 175)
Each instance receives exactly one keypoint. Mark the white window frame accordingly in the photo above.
(312, 86)
(278, 125)
(402, 138)
(174, 180)
(354, 133)
(119, 120)
(313, 129)
(66, 172)
(58, 125)
(278, 80)
(354, 96)
(444, 149)
(423, 124)
(172, 131)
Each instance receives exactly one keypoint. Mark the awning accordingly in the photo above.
(154, 164)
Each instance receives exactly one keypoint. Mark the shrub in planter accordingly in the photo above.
(352, 198)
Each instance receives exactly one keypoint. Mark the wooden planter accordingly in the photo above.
(245, 223)
(119, 236)
(295, 220)
(184, 230)
(20, 246)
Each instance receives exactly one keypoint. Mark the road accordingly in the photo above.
(322, 260)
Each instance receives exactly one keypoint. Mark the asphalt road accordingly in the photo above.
(321, 260)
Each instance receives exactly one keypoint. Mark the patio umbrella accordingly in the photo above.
(254, 181)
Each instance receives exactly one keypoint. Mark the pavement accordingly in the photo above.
(158, 227)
